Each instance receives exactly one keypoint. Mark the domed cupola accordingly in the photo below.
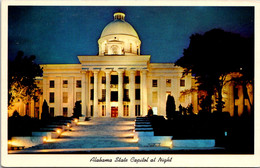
(119, 38)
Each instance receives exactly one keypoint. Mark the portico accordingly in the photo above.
(124, 67)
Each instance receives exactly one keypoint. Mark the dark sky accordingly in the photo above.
(59, 34)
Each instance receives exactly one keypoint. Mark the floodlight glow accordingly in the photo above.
(44, 139)
(58, 131)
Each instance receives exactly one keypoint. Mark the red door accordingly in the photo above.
(114, 111)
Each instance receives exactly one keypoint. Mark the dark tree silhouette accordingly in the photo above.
(45, 111)
(246, 68)
(190, 109)
(170, 107)
(21, 78)
(77, 110)
(150, 112)
(211, 57)
(16, 114)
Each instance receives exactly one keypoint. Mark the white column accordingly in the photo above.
(132, 93)
(162, 95)
(178, 91)
(144, 93)
(45, 90)
(32, 108)
(231, 99)
(71, 102)
(58, 98)
(83, 94)
(108, 96)
(95, 109)
(24, 109)
(40, 106)
(87, 94)
(120, 93)
(99, 93)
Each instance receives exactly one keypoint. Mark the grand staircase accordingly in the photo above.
(96, 133)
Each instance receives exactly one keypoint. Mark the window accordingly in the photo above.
(137, 79)
(126, 79)
(92, 79)
(51, 97)
(78, 84)
(168, 83)
(65, 84)
(91, 111)
(78, 96)
(65, 112)
(126, 110)
(103, 110)
(114, 49)
(235, 111)
(155, 97)
(104, 94)
(65, 97)
(155, 83)
(114, 96)
(52, 111)
(137, 94)
(114, 79)
(236, 93)
(103, 80)
(92, 94)
(52, 84)
(126, 95)
(182, 82)
(137, 110)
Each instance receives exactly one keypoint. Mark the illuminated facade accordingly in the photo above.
(118, 82)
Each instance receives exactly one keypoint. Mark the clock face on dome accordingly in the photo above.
(114, 49)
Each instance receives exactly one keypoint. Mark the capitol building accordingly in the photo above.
(118, 82)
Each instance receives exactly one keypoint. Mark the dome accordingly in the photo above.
(119, 38)
(119, 27)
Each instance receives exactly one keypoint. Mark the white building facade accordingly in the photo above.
(119, 82)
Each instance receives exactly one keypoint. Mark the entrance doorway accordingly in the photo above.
(114, 112)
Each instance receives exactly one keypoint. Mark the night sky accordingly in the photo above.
(58, 35)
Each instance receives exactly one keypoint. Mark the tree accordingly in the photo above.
(21, 79)
(246, 70)
(211, 57)
(45, 111)
(77, 110)
(170, 107)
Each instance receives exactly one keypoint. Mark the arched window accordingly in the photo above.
(114, 49)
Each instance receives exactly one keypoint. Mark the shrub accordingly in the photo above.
(45, 111)
(77, 109)
(170, 107)
(150, 112)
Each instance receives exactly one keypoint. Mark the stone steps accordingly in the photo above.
(143, 124)
(96, 133)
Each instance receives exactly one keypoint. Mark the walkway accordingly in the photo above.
(96, 133)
